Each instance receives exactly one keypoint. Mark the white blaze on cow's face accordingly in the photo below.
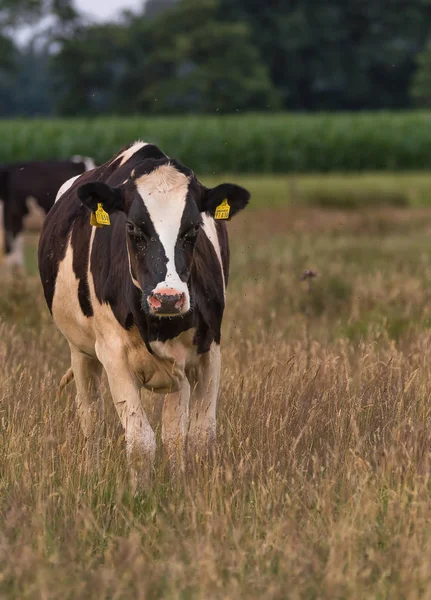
(163, 225)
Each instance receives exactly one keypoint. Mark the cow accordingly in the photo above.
(142, 298)
(39, 180)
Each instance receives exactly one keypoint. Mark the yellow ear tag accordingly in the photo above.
(93, 221)
(223, 210)
(102, 217)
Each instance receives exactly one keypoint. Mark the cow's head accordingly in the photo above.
(164, 203)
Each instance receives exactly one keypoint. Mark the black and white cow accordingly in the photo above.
(143, 297)
(39, 180)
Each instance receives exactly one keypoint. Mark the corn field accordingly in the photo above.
(249, 143)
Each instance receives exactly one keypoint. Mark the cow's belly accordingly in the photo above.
(66, 310)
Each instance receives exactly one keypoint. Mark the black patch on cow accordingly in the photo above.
(206, 283)
(147, 255)
(223, 241)
(190, 229)
(129, 321)
(110, 271)
(150, 151)
(148, 166)
(81, 234)
(53, 242)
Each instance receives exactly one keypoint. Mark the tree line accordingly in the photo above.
(216, 56)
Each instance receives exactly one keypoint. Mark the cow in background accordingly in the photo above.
(39, 180)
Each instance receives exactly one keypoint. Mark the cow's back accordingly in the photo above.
(40, 180)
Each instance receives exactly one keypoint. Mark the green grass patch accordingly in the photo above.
(250, 143)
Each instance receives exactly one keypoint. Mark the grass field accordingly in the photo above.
(335, 190)
(320, 485)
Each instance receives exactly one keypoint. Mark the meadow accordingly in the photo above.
(319, 487)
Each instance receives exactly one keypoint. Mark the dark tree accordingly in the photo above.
(181, 56)
(342, 54)
(89, 70)
(183, 60)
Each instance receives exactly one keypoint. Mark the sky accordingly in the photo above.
(100, 10)
(106, 9)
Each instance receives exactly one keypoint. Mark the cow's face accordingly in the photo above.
(163, 202)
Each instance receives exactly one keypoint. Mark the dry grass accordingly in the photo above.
(320, 486)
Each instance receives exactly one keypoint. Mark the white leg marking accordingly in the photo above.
(204, 402)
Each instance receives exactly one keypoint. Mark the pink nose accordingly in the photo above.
(167, 301)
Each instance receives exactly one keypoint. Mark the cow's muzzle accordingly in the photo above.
(166, 302)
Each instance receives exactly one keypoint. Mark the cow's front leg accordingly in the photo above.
(174, 425)
(205, 387)
(140, 438)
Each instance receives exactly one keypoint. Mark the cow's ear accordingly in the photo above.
(94, 193)
(225, 200)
